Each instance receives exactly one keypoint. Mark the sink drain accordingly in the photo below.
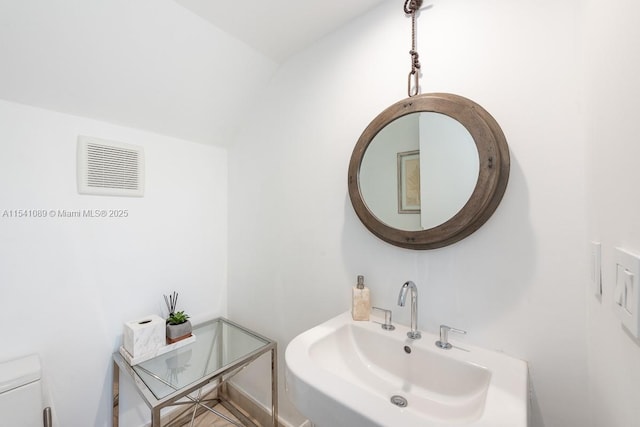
(399, 401)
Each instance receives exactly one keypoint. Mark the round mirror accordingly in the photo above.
(428, 171)
(419, 171)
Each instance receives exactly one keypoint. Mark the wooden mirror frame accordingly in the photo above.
(493, 153)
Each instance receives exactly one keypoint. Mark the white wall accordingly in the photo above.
(150, 64)
(517, 284)
(612, 67)
(68, 284)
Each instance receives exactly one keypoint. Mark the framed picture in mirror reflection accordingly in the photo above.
(409, 182)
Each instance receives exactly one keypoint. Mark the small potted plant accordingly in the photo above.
(178, 324)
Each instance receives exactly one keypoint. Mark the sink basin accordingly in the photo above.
(353, 373)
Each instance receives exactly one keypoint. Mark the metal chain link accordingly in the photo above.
(411, 7)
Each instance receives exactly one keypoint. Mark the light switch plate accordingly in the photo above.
(596, 268)
(626, 295)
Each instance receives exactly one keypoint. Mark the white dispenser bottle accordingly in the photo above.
(361, 301)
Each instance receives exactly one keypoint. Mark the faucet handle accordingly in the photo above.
(443, 343)
(387, 319)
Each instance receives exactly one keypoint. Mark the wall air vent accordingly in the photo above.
(109, 168)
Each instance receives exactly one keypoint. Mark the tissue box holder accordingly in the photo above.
(145, 339)
(145, 335)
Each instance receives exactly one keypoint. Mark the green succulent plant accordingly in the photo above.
(177, 318)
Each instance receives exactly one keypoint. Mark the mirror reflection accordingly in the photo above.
(419, 171)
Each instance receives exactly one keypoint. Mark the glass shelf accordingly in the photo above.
(220, 350)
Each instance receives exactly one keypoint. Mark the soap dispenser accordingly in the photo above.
(361, 301)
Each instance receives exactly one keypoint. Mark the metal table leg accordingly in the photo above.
(115, 394)
(274, 386)
(155, 417)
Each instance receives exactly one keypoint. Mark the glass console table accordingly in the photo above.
(221, 349)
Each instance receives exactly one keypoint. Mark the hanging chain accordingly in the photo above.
(411, 7)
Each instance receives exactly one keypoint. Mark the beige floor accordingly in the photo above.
(212, 420)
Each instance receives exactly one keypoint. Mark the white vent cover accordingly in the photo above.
(110, 168)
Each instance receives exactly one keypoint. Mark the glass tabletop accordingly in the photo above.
(219, 344)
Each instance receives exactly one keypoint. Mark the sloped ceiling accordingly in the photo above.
(182, 68)
(279, 28)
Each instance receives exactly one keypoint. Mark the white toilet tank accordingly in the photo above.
(21, 392)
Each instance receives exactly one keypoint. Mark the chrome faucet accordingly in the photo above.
(414, 334)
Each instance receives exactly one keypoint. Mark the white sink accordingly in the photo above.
(345, 373)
